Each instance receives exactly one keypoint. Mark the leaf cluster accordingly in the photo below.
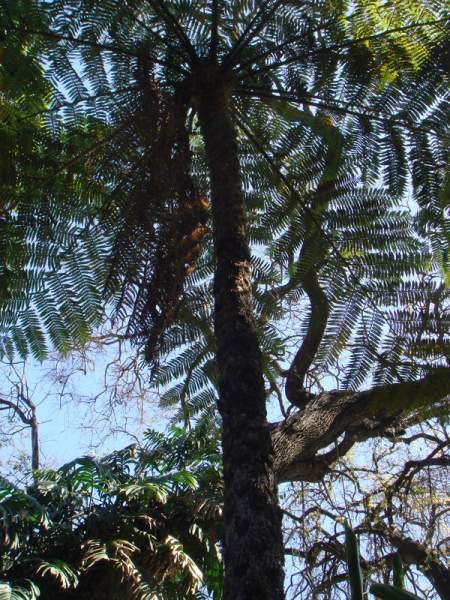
(140, 523)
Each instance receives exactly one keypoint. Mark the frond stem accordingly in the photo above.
(99, 46)
(161, 9)
(247, 35)
(347, 44)
(293, 40)
(278, 172)
(260, 92)
(155, 34)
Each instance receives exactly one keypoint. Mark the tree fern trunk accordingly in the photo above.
(253, 540)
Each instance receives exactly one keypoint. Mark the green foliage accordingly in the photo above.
(340, 111)
(341, 121)
(354, 568)
(140, 521)
(398, 573)
(388, 592)
(50, 256)
(26, 591)
(355, 576)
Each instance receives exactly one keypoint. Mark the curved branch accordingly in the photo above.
(359, 415)
(294, 388)
(311, 255)
(6, 404)
(28, 420)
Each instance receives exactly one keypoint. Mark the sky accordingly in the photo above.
(79, 409)
(74, 417)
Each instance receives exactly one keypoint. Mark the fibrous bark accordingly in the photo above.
(253, 539)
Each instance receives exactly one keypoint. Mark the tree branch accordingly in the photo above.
(359, 415)
(30, 421)
(414, 553)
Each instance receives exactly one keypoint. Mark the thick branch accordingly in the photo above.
(295, 392)
(359, 415)
(9, 405)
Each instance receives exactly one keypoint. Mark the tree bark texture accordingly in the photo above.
(300, 441)
(253, 549)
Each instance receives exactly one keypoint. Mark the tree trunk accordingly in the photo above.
(253, 549)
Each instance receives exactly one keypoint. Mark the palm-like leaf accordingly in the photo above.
(117, 69)
(142, 522)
